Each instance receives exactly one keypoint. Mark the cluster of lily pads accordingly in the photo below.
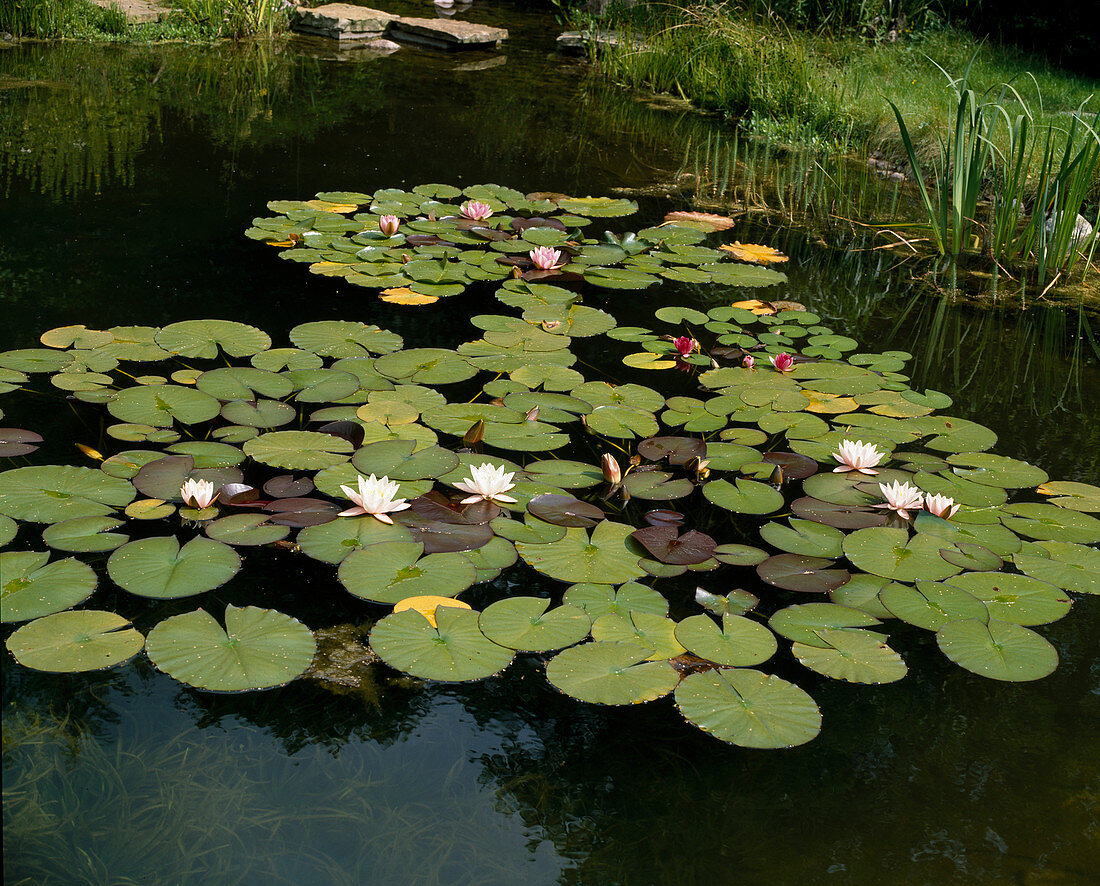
(803, 488)
(435, 240)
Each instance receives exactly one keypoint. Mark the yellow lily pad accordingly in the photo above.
(753, 252)
(427, 604)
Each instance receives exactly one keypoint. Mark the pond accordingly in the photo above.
(130, 176)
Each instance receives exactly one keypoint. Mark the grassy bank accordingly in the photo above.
(189, 20)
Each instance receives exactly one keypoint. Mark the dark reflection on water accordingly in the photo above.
(129, 176)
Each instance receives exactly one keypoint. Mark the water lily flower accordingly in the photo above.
(783, 362)
(388, 224)
(901, 497)
(940, 506)
(685, 345)
(748, 361)
(612, 473)
(475, 210)
(375, 497)
(488, 483)
(545, 258)
(855, 455)
(197, 493)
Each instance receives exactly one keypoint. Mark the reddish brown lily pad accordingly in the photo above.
(795, 572)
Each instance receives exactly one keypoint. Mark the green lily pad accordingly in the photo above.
(259, 413)
(163, 405)
(996, 470)
(892, 554)
(804, 537)
(299, 450)
(8, 529)
(931, 605)
(523, 623)
(85, 535)
(643, 628)
(743, 496)
(343, 338)
(456, 650)
(31, 587)
(738, 642)
(427, 366)
(611, 672)
(160, 568)
(801, 623)
(740, 555)
(51, 493)
(257, 649)
(332, 542)
(1019, 599)
(246, 530)
(1075, 496)
(747, 708)
(1042, 521)
(610, 556)
(404, 460)
(998, 650)
(862, 592)
(855, 656)
(388, 572)
(601, 599)
(202, 338)
(1073, 567)
(69, 642)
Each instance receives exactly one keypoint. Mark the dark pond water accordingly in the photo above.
(129, 175)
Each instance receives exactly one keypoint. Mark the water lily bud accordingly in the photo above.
(388, 224)
(476, 432)
(748, 361)
(611, 471)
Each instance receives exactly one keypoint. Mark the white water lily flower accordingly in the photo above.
(375, 497)
(487, 482)
(940, 506)
(198, 493)
(901, 497)
(855, 455)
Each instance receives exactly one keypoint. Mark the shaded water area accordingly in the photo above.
(129, 176)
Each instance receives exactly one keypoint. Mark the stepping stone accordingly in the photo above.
(341, 21)
(442, 33)
(137, 12)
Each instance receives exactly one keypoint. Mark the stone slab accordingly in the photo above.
(137, 12)
(341, 21)
(577, 42)
(446, 33)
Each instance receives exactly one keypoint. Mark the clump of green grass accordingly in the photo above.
(48, 19)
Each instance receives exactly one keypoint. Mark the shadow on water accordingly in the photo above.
(129, 177)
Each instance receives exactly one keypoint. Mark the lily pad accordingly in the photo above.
(524, 624)
(801, 623)
(163, 405)
(1073, 567)
(51, 493)
(387, 572)
(454, 650)
(998, 650)
(69, 642)
(608, 557)
(202, 338)
(1019, 599)
(796, 572)
(85, 535)
(162, 569)
(893, 554)
(246, 530)
(257, 649)
(931, 605)
(743, 496)
(31, 587)
(600, 599)
(855, 656)
(747, 708)
(738, 642)
(655, 632)
(299, 450)
(611, 672)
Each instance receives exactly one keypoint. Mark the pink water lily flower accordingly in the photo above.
(901, 498)
(940, 506)
(783, 362)
(545, 258)
(375, 497)
(475, 210)
(198, 493)
(855, 455)
(685, 345)
(388, 224)
(748, 361)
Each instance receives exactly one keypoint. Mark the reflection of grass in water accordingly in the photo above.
(230, 807)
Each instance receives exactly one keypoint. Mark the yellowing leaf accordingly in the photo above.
(149, 509)
(647, 360)
(186, 376)
(329, 268)
(703, 221)
(427, 604)
(829, 404)
(325, 206)
(760, 308)
(88, 451)
(752, 252)
(402, 295)
(280, 242)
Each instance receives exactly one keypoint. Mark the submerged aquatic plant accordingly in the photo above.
(735, 484)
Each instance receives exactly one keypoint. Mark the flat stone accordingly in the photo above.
(577, 42)
(137, 12)
(343, 50)
(446, 33)
(341, 21)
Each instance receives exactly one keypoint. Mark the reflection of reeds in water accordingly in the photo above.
(230, 806)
